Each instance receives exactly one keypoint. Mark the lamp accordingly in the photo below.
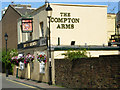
(49, 10)
(6, 38)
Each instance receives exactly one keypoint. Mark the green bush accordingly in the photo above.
(75, 54)
(6, 58)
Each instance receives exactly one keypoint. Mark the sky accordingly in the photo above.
(112, 4)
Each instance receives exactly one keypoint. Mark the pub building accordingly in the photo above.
(71, 26)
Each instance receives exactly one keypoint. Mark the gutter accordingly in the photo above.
(61, 48)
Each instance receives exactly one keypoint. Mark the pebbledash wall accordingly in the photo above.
(95, 72)
(84, 24)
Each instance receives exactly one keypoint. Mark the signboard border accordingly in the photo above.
(22, 27)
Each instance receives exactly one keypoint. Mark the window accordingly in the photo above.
(41, 27)
(30, 36)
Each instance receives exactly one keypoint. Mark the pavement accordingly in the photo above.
(41, 85)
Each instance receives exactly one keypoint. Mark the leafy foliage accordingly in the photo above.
(6, 57)
(75, 54)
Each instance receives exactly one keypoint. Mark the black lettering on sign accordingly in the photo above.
(65, 26)
(65, 20)
(58, 27)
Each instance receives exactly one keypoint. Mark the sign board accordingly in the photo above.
(27, 25)
(42, 67)
(65, 21)
(30, 44)
(21, 65)
(34, 43)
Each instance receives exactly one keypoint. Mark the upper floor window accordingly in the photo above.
(41, 28)
(30, 36)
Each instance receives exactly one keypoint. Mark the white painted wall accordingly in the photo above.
(92, 28)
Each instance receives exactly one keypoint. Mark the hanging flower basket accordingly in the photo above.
(42, 57)
(21, 58)
(29, 58)
(14, 60)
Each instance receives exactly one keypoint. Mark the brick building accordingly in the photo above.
(9, 23)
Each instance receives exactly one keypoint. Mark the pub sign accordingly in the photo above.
(27, 25)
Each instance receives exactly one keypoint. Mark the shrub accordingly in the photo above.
(6, 58)
(75, 54)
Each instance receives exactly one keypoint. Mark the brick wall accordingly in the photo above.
(101, 72)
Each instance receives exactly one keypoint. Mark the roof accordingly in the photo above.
(24, 11)
(38, 8)
(20, 11)
(21, 5)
